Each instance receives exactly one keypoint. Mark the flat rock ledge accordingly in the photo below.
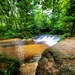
(58, 59)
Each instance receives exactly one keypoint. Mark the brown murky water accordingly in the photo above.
(16, 48)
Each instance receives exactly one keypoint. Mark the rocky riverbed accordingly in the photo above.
(27, 52)
(55, 60)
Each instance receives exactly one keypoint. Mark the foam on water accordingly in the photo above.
(47, 39)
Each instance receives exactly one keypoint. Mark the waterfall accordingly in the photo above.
(47, 39)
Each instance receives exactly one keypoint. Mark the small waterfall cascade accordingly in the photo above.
(47, 39)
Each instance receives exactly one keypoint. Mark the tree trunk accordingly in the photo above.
(73, 29)
(53, 18)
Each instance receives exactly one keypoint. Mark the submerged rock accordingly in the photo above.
(58, 60)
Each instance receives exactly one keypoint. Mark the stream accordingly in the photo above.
(22, 49)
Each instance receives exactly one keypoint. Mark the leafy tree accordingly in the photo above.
(71, 14)
(20, 18)
(67, 17)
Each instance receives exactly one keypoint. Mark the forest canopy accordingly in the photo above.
(24, 18)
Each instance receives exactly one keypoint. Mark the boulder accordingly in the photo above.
(58, 59)
(28, 68)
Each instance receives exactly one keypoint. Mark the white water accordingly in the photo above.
(47, 39)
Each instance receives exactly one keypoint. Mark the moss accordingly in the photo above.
(64, 70)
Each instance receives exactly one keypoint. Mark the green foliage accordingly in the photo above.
(24, 18)
(66, 35)
(9, 66)
(47, 4)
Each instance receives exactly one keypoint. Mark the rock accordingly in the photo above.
(28, 68)
(58, 59)
(8, 40)
(28, 41)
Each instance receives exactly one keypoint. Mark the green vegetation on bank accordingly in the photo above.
(9, 66)
(25, 18)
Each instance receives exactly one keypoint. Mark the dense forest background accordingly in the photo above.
(26, 18)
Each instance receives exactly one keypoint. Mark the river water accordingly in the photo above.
(20, 48)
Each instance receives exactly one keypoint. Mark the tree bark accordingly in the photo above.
(73, 28)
